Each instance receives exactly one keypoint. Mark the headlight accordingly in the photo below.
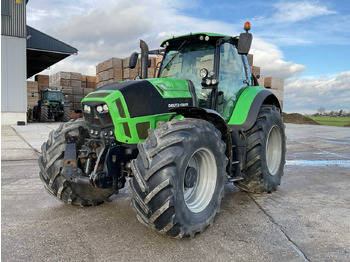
(99, 109)
(203, 73)
(214, 81)
(208, 82)
(102, 108)
(87, 109)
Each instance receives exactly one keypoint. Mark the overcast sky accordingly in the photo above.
(305, 42)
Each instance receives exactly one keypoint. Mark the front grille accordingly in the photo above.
(100, 124)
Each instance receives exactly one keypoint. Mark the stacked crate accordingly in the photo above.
(32, 94)
(74, 85)
(70, 83)
(88, 83)
(274, 84)
(128, 73)
(109, 71)
(43, 81)
(116, 70)
(158, 60)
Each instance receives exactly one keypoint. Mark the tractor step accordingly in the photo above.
(233, 179)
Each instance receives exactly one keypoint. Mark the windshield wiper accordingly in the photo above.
(176, 54)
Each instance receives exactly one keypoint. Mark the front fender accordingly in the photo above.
(213, 117)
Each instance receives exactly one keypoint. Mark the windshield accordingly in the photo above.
(186, 64)
(55, 96)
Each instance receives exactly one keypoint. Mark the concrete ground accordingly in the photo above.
(306, 219)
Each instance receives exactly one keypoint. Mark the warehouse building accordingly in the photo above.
(25, 52)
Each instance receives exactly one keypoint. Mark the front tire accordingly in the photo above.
(44, 114)
(266, 152)
(36, 112)
(51, 163)
(179, 177)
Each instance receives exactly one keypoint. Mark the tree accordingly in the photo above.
(321, 110)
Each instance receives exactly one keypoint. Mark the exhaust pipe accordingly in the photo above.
(144, 59)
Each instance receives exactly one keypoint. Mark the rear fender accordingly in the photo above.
(248, 106)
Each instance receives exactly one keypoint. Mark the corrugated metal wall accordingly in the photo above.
(14, 24)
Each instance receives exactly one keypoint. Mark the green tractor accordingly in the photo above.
(52, 105)
(176, 139)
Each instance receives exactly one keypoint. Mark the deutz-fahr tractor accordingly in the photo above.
(176, 139)
(52, 105)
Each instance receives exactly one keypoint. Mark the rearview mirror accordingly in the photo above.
(244, 43)
(133, 60)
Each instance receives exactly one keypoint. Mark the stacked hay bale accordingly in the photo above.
(117, 69)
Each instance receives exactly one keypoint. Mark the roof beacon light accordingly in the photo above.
(247, 26)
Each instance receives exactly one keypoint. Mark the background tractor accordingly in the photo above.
(52, 105)
(203, 122)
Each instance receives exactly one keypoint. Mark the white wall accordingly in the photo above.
(13, 79)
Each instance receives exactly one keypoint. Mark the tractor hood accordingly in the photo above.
(148, 97)
(128, 109)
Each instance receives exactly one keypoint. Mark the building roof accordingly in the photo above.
(44, 51)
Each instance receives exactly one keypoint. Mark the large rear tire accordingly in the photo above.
(179, 177)
(266, 152)
(66, 114)
(51, 162)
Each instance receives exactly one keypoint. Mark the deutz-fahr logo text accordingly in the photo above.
(177, 105)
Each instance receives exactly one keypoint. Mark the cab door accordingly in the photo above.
(232, 79)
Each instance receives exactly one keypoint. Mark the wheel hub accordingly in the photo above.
(200, 180)
(190, 177)
(274, 150)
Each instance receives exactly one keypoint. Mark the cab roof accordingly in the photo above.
(181, 38)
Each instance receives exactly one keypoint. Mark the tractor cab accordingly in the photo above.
(53, 96)
(213, 64)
